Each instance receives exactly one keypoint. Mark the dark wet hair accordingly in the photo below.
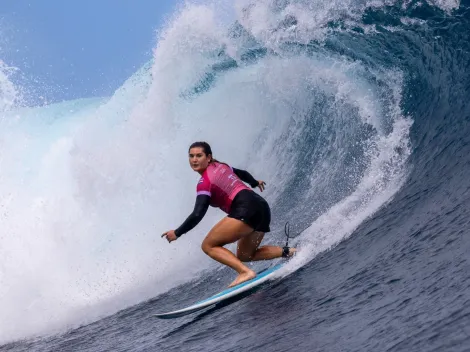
(206, 148)
(204, 145)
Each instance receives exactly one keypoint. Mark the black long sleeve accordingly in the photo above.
(200, 209)
(245, 176)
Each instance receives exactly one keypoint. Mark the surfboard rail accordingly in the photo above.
(260, 278)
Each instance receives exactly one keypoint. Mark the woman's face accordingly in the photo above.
(198, 160)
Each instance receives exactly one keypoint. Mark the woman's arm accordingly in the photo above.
(245, 176)
(200, 209)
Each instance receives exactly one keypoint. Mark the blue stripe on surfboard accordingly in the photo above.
(258, 277)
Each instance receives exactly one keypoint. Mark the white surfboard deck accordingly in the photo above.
(224, 295)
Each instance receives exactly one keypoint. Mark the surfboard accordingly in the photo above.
(232, 292)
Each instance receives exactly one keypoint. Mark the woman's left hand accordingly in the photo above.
(261, 185)
(170, 236)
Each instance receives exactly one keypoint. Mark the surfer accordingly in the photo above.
(248, 217)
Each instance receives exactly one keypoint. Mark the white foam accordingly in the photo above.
(91, 185)
(8, 92)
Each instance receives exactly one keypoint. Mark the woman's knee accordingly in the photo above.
(206, 246)
(244, 256)
(248, 246)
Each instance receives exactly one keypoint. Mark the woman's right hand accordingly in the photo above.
(170, 236)
(261, 185)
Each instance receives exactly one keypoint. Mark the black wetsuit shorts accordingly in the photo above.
(252, 209)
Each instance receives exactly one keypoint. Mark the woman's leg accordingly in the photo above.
(228, 230)
(256, 210)
(247, 248)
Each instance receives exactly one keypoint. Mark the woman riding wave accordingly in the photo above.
(248, 217)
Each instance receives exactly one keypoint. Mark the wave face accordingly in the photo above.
(353, 112)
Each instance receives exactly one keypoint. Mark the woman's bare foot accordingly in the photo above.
(243, 277)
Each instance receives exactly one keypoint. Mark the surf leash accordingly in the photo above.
(286, 248)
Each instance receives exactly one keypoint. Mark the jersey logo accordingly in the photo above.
(201, 180)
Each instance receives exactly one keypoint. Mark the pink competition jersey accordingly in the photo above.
(221, 184)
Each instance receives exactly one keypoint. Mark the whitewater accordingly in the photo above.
(347, 110)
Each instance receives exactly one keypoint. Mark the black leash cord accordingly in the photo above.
(286, 231)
